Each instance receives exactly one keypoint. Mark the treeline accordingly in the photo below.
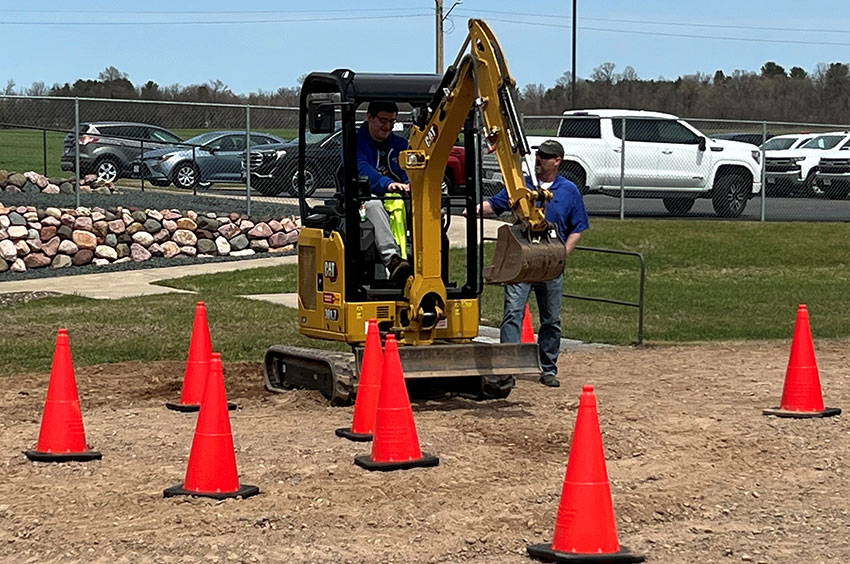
(773, 94)
(113, 84)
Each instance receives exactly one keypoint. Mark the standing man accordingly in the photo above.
(378, 149)
(566, 211)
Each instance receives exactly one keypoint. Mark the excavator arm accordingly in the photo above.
(530, 250)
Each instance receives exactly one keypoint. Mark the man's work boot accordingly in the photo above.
(399, 269)
(550, 380)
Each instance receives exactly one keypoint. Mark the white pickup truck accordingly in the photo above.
(832, 174)
(793, 171)
(665, 157)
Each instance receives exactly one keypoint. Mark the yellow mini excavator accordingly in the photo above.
(434, 318)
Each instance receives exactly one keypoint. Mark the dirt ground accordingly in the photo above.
(697, 473)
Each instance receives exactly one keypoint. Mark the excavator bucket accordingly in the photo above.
(522, 256)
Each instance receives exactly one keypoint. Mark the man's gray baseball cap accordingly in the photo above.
(551, 148)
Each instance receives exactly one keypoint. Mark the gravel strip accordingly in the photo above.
(142, 200)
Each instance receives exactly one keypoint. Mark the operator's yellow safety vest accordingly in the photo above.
(398, 220)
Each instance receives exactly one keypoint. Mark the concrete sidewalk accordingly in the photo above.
(125, 284)
(128, 283)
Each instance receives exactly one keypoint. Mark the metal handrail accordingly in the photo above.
(638, 304)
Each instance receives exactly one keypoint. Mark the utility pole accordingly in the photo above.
(573, 101)
(439, 36)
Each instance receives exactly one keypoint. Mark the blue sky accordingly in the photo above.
(261, 47)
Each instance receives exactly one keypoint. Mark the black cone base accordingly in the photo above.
(545, 553)
(347, 433)
(365, 461)
(190, 407)
(38, 456)
(828, 412)
(243, 492)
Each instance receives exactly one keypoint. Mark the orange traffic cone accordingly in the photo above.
(366, 405)
(395, 445)
(62, 436)
(801, 396)
(212, 462)
(527, 327)
(585, 530)
(197, 366)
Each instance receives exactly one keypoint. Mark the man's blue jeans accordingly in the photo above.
(549, 304)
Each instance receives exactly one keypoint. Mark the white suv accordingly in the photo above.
(793, 170)
(665, 157)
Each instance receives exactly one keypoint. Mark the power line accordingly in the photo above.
(244, 12)
(684, 35)
(219, 22)
(651, 22)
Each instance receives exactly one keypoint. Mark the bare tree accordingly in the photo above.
(111, 73)
(603, 73)
(38, 88)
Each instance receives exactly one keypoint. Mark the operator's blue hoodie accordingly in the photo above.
(367, 160)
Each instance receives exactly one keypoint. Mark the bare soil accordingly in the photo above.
(697, 473)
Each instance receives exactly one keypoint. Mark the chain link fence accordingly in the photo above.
(698, 167)
(626, 163)
(86, 144)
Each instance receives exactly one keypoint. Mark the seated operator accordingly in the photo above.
(378, 150)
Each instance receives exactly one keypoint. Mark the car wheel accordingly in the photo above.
(186, 175)
(678, 206)
(447, 187)
(309, 180)
(107, 169)
(160, 183)
(812, 188)
(730, 195)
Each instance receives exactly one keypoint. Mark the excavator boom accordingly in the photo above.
(531, 250)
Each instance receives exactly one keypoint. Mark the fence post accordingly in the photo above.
(248, 159)
(763, 169)
(623, 170)
(142, 162)
(194, 162)
(44, 149)
(77, 148)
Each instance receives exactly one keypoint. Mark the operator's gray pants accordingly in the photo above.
(384, 240)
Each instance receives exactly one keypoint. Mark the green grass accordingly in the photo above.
(704, 281)
(22, 150)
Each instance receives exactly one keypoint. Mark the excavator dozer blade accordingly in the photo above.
(524, 257)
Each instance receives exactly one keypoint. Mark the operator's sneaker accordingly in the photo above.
(550, 380)
(400, 270)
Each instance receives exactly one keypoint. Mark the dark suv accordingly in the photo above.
(274, 167)
(108, 147)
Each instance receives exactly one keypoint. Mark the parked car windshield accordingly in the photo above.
(203, 138)
(823, 142)
(778, 144)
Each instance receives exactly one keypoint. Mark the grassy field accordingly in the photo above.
(22, 150)
(704, 281)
